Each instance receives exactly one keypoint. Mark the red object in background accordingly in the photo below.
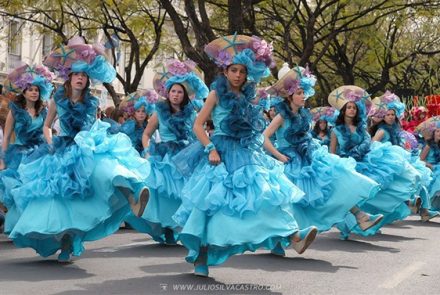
(433, 105)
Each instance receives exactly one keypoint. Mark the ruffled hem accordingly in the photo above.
(241, 183)
(223, 238)
(115, 171)
(383, 163)
(317, 179)
(165, 178)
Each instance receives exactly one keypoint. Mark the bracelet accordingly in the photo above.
(209, 147)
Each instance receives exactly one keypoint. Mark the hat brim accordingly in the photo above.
(337, 99)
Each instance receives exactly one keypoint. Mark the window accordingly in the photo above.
(14, 45)
(47, 44)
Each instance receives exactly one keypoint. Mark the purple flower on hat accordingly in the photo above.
(262, 50)
(223, 58)
(160, 88)
(177, 67)
(388, 97)
(353, 95)
(24, 81)
(63, 71)
(88, 54)
(291, 85)
(262, 93)
(151, 96)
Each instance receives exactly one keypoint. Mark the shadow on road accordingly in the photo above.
(37, 269)
(331, 242)
(137, 250)
(272, 263)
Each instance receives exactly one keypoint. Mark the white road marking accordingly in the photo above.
(400, 276)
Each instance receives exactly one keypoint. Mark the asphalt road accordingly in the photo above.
(404, 259)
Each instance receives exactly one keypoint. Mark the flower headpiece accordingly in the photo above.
(296, 78)
(141, 98)
(429, 125)
(265, 100)
(183, 72)
(416, 111)
(252, 52)
(409, 141)
(388, 101)
(329, 114)
(77, 56)
(25, 76)
(350, 93)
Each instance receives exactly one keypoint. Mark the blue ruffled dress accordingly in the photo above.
(330, 183)
(135, 132)
(165, 182)
(76, 186)
(434, 187)
(28, 136)
(245, 202)
(386, 164)
(391, 134)
(322, 141)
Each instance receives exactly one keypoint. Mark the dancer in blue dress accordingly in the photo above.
(237, 198)
(32, 85)
(142, 103)
(176, 82)
(331, 184)
(323, 118)
(74, 188)
(387, 110)
(431, 156)
(384, 163)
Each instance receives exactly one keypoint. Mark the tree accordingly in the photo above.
(137, 24)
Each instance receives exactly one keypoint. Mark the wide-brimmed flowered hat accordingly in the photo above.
(185, 72)
(77, 56)
(25, 76)
(294, 79)
(351, 93)
(252, 52)
(329, 114)
(429, 125)
(146, 98)
(387, 101)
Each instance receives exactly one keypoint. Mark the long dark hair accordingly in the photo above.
(185, 100)
(21, 101)
(68, 88)
(374, 127)
(340, 120)
(317, 130)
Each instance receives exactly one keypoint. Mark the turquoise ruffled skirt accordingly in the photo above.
(165, 184)
(434, 188)
(388, 165)
(10, 179)
(77, 187)
(242, 204)
(331, 185)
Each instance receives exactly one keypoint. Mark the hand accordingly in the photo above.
(429, 165)
(283, 158)
(146, 155)
(2, 165)
(214, 157)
